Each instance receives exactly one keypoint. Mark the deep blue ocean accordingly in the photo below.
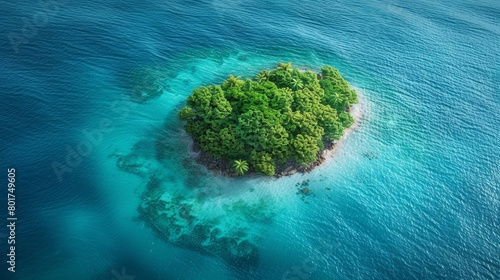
(412, 193)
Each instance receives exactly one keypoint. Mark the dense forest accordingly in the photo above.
(281, 117)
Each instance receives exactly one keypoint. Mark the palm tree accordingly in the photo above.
(233, 81)
(297, 83)
(240, 166)
(263, 76)
(285, 66)
(337, 99)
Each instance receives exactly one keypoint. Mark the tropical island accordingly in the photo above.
(277, 123)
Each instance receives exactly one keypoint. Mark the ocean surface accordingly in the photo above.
(412, 193)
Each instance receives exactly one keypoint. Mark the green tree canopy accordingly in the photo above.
(281, 116)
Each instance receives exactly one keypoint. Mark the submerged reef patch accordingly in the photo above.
(146, 84)
(198, 216)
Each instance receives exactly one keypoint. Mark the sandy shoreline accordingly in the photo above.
(357, 113)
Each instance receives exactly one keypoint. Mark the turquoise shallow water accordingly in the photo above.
(426, 207)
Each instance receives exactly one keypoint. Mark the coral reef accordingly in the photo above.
(189, 214)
